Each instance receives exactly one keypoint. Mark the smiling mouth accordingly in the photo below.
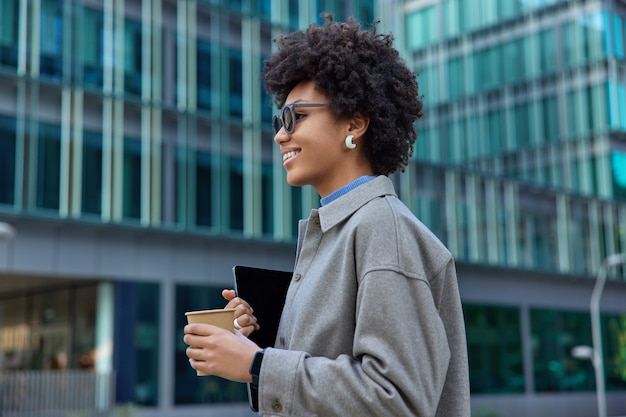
(289, 155)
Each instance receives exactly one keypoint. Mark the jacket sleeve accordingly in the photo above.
(398, 365)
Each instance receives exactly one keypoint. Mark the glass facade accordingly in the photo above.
(543, 91)
(522, 96)
(142, 119)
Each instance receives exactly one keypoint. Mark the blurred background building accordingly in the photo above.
(137, 167)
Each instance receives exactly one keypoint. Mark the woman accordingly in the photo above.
(372, 324)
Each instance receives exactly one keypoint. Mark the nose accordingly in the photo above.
(281, 136)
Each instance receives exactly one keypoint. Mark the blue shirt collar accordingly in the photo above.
(345, 189)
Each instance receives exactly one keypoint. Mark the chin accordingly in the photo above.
(296, 181)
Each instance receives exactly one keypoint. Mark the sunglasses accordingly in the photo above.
(287, 118)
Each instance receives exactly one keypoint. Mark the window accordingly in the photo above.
(294, 6)
(494, 346)
(236, 89)
(136, 357)
(614, 327)
(618, 162)
(572, 39)
(456, 78)
(204, 75)
(7, 160)
(428, 81)
(547, 51)
(48, 167)
(132, 58)
(618, 40)
(132, 179)
(92, 47)
(451, 18)
(596, 34)
(92, 173)
(8, 32)
(51, 330)
(51, 38)
(522, 120)
(188, 388)
(296, 209)
(554, 334)
(550, 115)
(267, 198)
(421, 28)
(236, 194)
(487, 69)
(514, 61)
(204, 210)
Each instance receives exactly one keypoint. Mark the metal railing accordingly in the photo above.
(69, 393)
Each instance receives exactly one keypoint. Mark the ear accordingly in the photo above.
(358, 125)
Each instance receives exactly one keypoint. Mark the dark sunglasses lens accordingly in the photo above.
(288, 119)
(277, 124)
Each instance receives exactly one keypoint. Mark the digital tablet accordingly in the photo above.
(265, 290)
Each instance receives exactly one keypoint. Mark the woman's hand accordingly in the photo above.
(243, 312)
(216, 351)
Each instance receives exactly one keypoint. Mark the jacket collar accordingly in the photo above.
(333, 213)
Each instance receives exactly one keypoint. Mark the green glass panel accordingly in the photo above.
(132, 179)
(204, 189)
(554, 334)
(7, 160)
(494, 344)
(48, 167)
(92, 173)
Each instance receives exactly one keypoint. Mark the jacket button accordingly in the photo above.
(281, 341)
(297, 278)
(316, 221)
(277, 407)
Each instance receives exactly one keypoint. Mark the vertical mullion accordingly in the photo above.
(22, 38)
(35, 47)
(472, 218)
(491, 219)
(77, 154)
(66, 120)
(252, 221)
(452, 225)
(511, 202)
(563, 233)
(117, 149)
(107, 110)
(156, 168)
(145, 200)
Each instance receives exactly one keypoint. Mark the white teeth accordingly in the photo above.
(288, 155)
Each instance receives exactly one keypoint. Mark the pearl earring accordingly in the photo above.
(349, 143)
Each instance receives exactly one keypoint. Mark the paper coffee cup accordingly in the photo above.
(223, 318)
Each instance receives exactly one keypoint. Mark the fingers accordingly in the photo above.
(220, 352)
(236, 301)
(243, 313)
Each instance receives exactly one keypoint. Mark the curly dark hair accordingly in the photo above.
(361, 73)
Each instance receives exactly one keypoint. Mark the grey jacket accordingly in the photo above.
(372, 324)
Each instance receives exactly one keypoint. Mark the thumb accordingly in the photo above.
(228, 294)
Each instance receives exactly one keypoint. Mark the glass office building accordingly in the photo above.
(521, 169)
(137, 166)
